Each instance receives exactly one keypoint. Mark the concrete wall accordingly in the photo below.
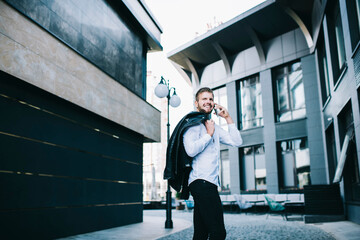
(282, 49)
(33, 55)
(313, 123)
(272, 179)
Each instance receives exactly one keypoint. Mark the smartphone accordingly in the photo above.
(216, 111)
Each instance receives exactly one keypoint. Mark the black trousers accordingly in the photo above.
(208, 211)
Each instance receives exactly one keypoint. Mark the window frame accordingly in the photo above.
(296, 186)
(333, 13)
(351, 174)
(353, 12)
(323, 65)
(221, 171)
(240, 103)
(243, 172)
(276, 77)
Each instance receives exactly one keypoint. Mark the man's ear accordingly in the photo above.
(196, 104)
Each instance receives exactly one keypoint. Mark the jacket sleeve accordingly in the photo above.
(193, 143)
(232, 138)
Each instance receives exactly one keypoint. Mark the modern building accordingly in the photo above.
(289, 73)
(74, 115)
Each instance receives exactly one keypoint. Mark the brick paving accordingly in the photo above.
(256, 226)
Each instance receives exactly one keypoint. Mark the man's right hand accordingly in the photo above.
(210, 127)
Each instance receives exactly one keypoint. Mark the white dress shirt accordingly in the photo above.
(205, 150)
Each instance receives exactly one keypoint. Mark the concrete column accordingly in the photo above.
(313, 115)
(272, 181)
(233, 152)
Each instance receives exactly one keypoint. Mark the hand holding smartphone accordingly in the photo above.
(216, 111)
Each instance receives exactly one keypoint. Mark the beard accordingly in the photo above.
(205, 109)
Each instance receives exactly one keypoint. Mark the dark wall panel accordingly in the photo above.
(22, 91)
(63, 169)
(37, 157)
(24, 224)
(42, 126)
(104, 36)
(20, 191)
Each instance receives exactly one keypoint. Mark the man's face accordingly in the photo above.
(205, 102)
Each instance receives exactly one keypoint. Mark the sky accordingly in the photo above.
(181, 22)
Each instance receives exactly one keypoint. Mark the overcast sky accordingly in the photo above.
(182, 21)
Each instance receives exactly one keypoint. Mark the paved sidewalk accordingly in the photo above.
(238, 226)
(343, 230)
(152, 227)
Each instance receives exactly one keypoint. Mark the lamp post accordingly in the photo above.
(163, 90)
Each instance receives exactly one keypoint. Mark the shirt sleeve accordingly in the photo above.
(232, 138)
(193, 143)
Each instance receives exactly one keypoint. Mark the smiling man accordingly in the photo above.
(202, 143)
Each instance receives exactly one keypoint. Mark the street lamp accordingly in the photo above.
(163, 90)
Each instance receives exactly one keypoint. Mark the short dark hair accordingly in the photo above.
(201, 90)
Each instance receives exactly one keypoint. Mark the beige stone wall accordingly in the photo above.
(30, 53)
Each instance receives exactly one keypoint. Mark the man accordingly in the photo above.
(202, 142)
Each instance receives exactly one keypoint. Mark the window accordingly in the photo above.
(353, 8)
(290, 92)
(331, 151)
(336, 38)
(250, 103)
(339, 40)
(220, 97)
(351, 169)
(323, 69)
(294, 172)
(357, 3)
(225, 170)
(253, 169)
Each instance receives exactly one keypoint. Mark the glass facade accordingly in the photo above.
(323, 69)
(353, 9)
(290, 92)
(331, 151)
(253, 168)
(220, 97)
(357, 4)
(351, 170)
(98, 33)
(225, 170)
(339, 40)
(250, 103)
(353, 178)
(294, 164)
(336, 39)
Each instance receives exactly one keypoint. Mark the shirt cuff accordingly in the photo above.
(231, 125)
(207, 137)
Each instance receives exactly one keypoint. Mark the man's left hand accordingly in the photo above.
(223, 112)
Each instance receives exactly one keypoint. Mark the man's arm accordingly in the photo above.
(193, 143)
(233, 137)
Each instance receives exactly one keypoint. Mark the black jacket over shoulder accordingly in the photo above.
(178, 163)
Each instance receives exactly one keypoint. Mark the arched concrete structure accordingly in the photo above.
(224, 58)
(301, 24)
(257, 43)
